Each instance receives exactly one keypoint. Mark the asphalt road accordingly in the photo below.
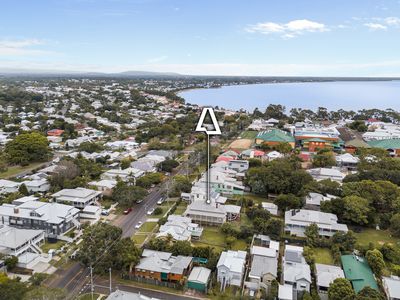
(75, 277)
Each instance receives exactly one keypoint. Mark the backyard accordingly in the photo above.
(378, 237)
(323, 256)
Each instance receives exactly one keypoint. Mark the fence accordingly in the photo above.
(154, 282)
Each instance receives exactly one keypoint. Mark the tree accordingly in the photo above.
(375, 261)
(23, 189)
(230, 240)
(126, 195)
(11, 262)
(312, 235)
(340, 289)
(28, 147)
(12, 289)
(181, 248)
(158, 211)
(181, 184)
(90, 147)
(288, 201)
(168, 165)
(368, 293)
(102, 246)
(345, 241)
(324, 159)
(125, 163)
(395, 225)
(274, 228)
(45, 293)
(359, 126)
(37, 278)
(356, 210)
(307, 296)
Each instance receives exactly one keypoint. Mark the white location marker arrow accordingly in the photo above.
(217, 131)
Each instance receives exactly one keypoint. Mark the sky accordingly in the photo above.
(203, 37)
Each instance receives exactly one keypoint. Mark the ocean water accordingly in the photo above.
(347, 95)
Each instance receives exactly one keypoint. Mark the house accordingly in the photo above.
(55, 132)
(54, 218)
(358, 272)
(145, 165)
(264, 266)
(124, 175)
(325, 275)
(37, 186)
(16, 241)
(273, 155)
(199, 279)
(296, 271)
(208, 214)
(163, 266)
(313, 200)
(180, 229)
(271, 207)
(285, 292)
(353, 145)
(90, 213)
(222, 183)
(347, 161)
(326, 173)
(390, 145)
(274, 137)
(8, 186)
(231, 268)
(297, 220)
(391, 286)
(199, 193)
(123, 295)
(78, 197)
(238, 165)
(105, 186)
(252, 153)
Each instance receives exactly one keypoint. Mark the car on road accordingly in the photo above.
(150, 211)
(127, 211)
(139, 224)
(161, 201)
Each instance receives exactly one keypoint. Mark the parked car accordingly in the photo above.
(161, 201)
(105, 212)
(150, 211)
(139, 224)
(127, 211)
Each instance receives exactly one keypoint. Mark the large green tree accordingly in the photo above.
(28, 147)
(375, 261)
(127, 195)
(368, 293)
(341, 289)
(356, 210)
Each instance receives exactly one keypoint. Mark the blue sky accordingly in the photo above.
(205, 37)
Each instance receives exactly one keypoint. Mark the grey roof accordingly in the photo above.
(293, 256)
(262, 265)
(233, 260)
(122, 295)
(200, 274)
(13, 238)
(326, 274)
(158, 261)
(392, 285)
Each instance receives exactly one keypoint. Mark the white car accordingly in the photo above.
(139, 224)
(150, 211)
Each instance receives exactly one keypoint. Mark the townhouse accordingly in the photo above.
(231, 268)
(296, 271)
(78, 197)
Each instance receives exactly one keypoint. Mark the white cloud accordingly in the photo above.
(21, 47)
(392, 21)
(375, 26)
(287, 30)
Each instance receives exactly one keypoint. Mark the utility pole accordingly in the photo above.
(110, 282)
(91, 281)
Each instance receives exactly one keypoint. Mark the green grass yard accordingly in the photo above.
(147, 227)
(211, 236)
(47, 246)
(323, 256)
(15, 170)
(248, 134)
(139, 238)
(180, 209)
(378, 237)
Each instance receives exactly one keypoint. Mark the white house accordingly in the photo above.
(35, 186)
(296, 271)
(347, 161)
(79, 197)
(391, 286)
(271, 207)
(315, 199)
(105, 186)
(125, 174)
(297, 220)
(8, 186)
(326, 173)
(180, 229)
(325, 275)
(264, 266)
(230, 268)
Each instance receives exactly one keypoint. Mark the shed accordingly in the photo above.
(199, 279)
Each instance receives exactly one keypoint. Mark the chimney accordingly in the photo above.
(16, 210)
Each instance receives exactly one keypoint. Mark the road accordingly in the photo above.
(76, 276)
(102, 286)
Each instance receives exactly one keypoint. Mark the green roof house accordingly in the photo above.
(275, 136)
(358, 272)
(199, 279)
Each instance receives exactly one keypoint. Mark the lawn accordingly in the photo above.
(180, 209)
(378, 237)
(248, 134)
(15, 170)
(47, 246)
(139, 238)
(323, 256)
(211, 236)
(147, 227)
(239, 245)
(106, 203)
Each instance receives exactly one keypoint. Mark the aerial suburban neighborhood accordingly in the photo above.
(107, 190)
